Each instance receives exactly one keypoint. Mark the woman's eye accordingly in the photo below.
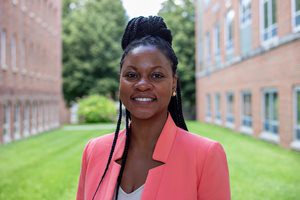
(131, 75)
(157, 75)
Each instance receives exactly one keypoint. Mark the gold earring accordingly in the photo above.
(174, 94)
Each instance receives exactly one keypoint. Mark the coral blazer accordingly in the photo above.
(194, 168)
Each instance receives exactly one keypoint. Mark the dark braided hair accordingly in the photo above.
(146, 31)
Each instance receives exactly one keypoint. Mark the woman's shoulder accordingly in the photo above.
(99, 145)
(193, 140)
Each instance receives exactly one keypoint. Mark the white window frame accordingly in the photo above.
(208, 108)
(229, 113)
(34, 118)
(248, 129)
(23, 56)
(17, 121)
(271, 39)
(217, 40)
(217, 109)
(245, 17)
(13, 53)
(6, 123)
(296, 117)
(3, 49)
(26, 120)
(266, 134)
(207, 48)
(294, 15)
(296, 127)
(229, 22)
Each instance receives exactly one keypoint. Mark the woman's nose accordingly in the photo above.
(143, 85)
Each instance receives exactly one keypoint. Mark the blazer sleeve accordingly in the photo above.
(80, 190)
(214, 181)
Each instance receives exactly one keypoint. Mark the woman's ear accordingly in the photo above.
(174, 84)
(175, 80)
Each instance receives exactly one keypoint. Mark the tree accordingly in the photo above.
(180, 18)
(92, 31)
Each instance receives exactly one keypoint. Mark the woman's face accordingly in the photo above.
(146, 82)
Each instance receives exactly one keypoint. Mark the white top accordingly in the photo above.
(135, 195)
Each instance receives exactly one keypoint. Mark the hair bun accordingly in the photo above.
(140, 27)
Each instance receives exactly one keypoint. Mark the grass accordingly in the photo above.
(47, 166)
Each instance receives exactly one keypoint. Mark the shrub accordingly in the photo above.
(95, 108)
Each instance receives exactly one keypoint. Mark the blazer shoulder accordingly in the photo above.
(196, 141)
(98, 145)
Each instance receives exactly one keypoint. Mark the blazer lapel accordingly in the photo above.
(161, 152)
(112, 176)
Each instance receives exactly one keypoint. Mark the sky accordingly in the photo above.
(135, 8)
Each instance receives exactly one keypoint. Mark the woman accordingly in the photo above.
(154, 157)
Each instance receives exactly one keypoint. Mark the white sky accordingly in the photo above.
(135, 8)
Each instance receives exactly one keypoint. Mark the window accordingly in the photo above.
(207, 47)
(269, 19)
(208, 106)
(246, 109)
(296, 14)
(6, 123)
(13, 54)
(217, 40)
(33, 118)
(22, 56)
(297, 113)
(230, 108)
(17, 121)
(270, 116)
(3, 49)
(229, 31)
(26, 120)
(245, 12)
(218, 108)
(40, 117)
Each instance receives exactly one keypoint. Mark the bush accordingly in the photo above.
(95, 108)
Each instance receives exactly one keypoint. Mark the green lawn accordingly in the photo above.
(47, 166)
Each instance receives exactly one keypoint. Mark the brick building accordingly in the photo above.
(248, 67)
(30, 67)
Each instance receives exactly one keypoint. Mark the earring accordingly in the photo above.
(174, 94)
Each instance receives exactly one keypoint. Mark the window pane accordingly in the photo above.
(231, 31)
(248, 105)
(275, 106)
(297, 3)
(266, 15)
(274, 12)
(267, 106)
(297, 20)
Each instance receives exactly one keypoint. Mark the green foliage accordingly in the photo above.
(95, 109)
(180, 18)
(92, 32)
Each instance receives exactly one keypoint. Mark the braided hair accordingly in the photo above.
(146, 31)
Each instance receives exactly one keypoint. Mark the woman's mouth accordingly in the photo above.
(144, 99)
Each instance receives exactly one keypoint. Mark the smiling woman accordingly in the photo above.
(147, 82)
(154, 157)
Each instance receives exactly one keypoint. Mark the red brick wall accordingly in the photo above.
(36, 24)
(278, 68)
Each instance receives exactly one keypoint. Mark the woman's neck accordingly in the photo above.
(145, 132)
